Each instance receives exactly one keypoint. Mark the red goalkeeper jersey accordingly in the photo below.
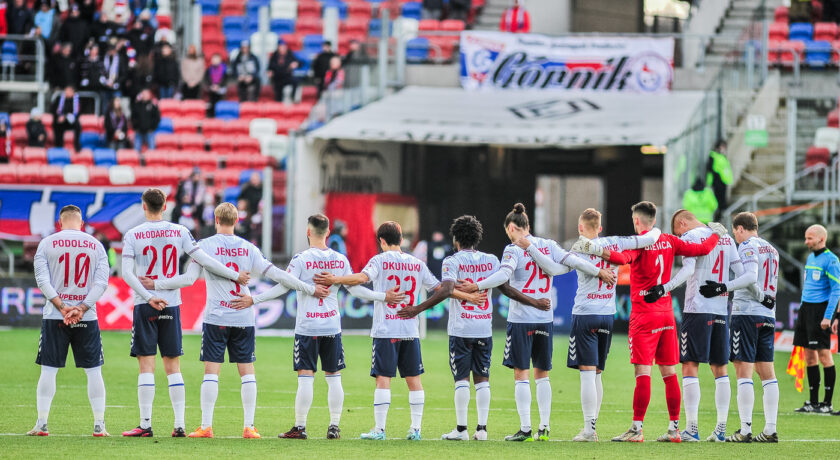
(652, 265)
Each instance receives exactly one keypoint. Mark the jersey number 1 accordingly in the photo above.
(81, 271)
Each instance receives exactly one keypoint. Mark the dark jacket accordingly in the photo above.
(64, 71)
(90, 74)
(252, 194)
(114, 123)
(102, 31)
(166, 71)
(245, 65)
(142, 39)
(36, 133)
(321, 64)
(75, 31)
(433, 4)
(145, 116)
(71, 107)
(281, 66)
(19, 20)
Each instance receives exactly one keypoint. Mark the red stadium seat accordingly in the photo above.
(232, 8)
(84, 157)
(92, 123)
(834, 118)
(192, 142)
(212, 126)
(238, 161)
(354, 26)
(295, 41)
(194, 108)
(300, 111)
(791, 47)
(98, 176)
(164, 22)
(167, 141)
(778, 31)
(287, 124)
(309, 8)
(309, 25)
(210, 23)
(454, 25)
(238, 127)
(170, 108)
(17, 120)
(51, 174)
(183, 159)
(429, 24)
(781, 14)
(128, 157)
(359, 10)
(309, 94)
(206, 161)
(222, 143)
(158, 158)
(817, 155)
(249, 110)
(29, 173)
(8, 174)
(227, 177)
(247, 144)
(260, 161)
(144, 176)
(35, 155)
(826, 31)
(184, 126)
(273, 110)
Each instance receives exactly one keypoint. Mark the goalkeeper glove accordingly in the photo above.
(769, 302)
(712, 289)
(586, 246)
(719, 229)
(654, 293)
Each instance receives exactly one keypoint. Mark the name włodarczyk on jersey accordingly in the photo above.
(150, 234)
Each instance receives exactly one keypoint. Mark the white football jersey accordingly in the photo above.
(408, 274)
(156, 248)
(239, 255)
(765, 257)
(466, 319)
(711, 267)
(68, 264)
(593, 296)
(318, 317)
(529, 279)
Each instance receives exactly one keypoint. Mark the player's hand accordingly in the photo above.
(157, 303)
(394, 297)
(607, 276)
(466, 287)
(712, 289)
(244, 301)
(834, 326)
(825, 323)
(476, 298)
(72, 315)
(718, 228)
(543, 304)
(769, 302)
(321, 291)
(523, 243)
(147, 282)
(325, 278)
(408, 312)
(586, 246)
(243, 279)
(654, 293)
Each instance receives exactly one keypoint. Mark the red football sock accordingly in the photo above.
(672, 396)
(641, 397)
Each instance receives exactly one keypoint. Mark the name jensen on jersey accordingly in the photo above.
(232, 252)
(164, 233)
(325, 265)
(86, 244)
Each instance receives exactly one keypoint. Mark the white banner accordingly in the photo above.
(500, 60)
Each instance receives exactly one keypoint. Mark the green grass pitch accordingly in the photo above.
(803, 436)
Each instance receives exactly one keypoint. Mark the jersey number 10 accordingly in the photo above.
(81, 271)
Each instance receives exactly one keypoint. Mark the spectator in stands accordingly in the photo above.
(66, 116)
(244, 225)
(321, 65)
(334, 78)
(87, 9)
(114, 67)
(28, 48)
(516, 19)
(92, 74)
(119, 10)
(44, 19)
(64, 68)
(5, 141)
(700, 200)
(19, 19)
(142, 39)
(215, 79)
(116, 125)
(36, 132)
(246, 70)
(189, 201)
(338, 237)
(432, 9)
(281, 68)
(800, 11)
(145, 117)
(719, 175)
(102, 31)
(75, 31)
(459, 9)
(166, 74)
(252, 193)
(831, 11)
(437, 250)
(192, 73)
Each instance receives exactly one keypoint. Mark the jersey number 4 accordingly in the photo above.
(81, 271)
(170, 261)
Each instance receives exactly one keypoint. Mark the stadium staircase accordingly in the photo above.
(491, 14)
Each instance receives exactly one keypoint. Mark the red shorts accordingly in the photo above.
(654, 335)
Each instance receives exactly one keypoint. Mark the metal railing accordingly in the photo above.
(22, 66)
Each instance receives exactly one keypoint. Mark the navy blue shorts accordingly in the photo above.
(704, 338)
(589, 342)
(153, 329)
(239, 342)
(753, 338)
(57, 337)
(392, 354)
(469, 355)
(528, 343)
(327, 347)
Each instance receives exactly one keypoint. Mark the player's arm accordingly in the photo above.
(500, 277)
(214, 266)
(392, 297)
(832, 270)
(441, 292)
(685, 249)
(475, 298)
(546, 263)
(131, 278)
(178, 281)
(639, 241)
(689, 264)
(244, 301)
(42, 276)
(347, 280)
(100, 279)
(514, 294)
(291, 282)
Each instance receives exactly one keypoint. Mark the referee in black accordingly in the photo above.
(820, 295)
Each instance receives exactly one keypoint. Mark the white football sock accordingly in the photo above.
(462, 401)
(771, 404)
(599, 389)
(381, 404)
(96, 394)
(588, 400)
(746, 400)
(416, 401)
(45, 393)
(209, 394)
(146, 397)
(335, 398)
(248, 393)
(691, 400)
(544, 401)
(723, 393)
(522, 395)
(178, 396)
(303, 400)
(482, 402)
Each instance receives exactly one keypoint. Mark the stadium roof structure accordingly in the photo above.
(535, 119)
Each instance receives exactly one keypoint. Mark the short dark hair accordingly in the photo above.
(391, 232)
(747, 220)
(518, 217)
(154, 199)
(319, 223)
(467, 231)
(645, 208)
(70, 208)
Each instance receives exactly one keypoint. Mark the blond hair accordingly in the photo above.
(227, 214)
(591, 218)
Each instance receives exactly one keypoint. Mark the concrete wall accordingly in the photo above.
(550, 17)
(607, 15)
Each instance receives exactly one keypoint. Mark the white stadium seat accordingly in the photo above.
(284, 9)
(828, 138)
(275, 146)
(262, 127)
(121, 175)
(76, 174)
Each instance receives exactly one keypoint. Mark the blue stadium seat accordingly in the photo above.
(412, 10)
(801, 31)
(313, 42)
(210, 7)
(231, 194)
(282, 26)
(165, 126)
(253, 6)
(245, 175)
(90, 140)
(417, 50)
(58, 156)
(4, 116)
(234, 24)
(234, 39)
(375, 28)
(105, 157)
(817, 53)
(253, 24)
(227, 109)
(305, 60)
(342, 7)
(9, 53)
